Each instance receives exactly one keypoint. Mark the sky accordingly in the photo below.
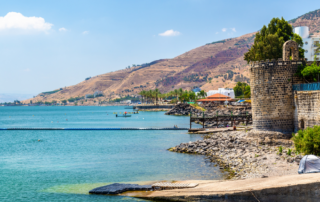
(45, 45)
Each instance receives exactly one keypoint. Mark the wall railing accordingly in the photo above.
(306, 86)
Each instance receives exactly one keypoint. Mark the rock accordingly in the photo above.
(118, 188)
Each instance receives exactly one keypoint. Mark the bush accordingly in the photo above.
(308, 141)
(289, 152)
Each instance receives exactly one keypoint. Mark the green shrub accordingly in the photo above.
(289, 152)
(308, 141)
(280, 149)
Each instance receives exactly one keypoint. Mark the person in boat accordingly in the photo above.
(116, 115)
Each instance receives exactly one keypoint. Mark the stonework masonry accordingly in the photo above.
(307, 109)
(272, 96)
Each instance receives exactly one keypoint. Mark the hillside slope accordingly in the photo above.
(214, 65)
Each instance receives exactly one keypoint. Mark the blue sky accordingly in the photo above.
(45, 45)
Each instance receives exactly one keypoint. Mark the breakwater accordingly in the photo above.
(94, 128)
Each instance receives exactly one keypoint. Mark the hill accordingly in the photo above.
(211, 66)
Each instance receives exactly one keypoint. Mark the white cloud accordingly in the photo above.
(62, 29)
(14, 20)
(217, 32)
(170, 33)
(224, 29)
(26, 70)
(233, 29)
(85, 32)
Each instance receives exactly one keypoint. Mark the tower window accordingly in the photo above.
(306, 43)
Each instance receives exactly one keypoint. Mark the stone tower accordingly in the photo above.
(271, 90)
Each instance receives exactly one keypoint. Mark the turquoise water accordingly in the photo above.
(65, 165)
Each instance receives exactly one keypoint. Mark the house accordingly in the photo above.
(125, 102)
(309, 43)
(224, 91)
(216, 98)
(97, 93)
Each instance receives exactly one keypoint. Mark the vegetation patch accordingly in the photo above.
(307, 141)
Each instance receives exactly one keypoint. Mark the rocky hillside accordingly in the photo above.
(214, 65)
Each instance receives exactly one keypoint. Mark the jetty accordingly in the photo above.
(285, 189)
(203, 118)
(94, 128)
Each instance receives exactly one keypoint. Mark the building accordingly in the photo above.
(97, 93)
(216, 98)
(196, 90)
(224, 91)
(309, 43)
(125, 102)
(278, 102)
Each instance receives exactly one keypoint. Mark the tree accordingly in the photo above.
(192, 96)
(176, 92)
(308, 141)
(143, 94)
(156, 94)
(310, 71)
(247, 92)
(239, 89)
(202, 94)
(64, 102)
(268, 43)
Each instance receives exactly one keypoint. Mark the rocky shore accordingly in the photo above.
(253, 154)
(182, 109)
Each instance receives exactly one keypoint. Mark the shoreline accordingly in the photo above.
(246, 154)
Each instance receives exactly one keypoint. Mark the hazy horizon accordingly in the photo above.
(46, 45)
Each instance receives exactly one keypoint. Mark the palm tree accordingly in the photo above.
(156, 94)
(176, 92)
(202, 94)
(150, 94)
(143, 94)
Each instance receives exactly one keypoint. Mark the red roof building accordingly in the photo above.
(216, 98)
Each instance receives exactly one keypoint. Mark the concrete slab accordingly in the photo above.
(284, 188)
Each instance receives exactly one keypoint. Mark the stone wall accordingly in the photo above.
(271, 90)
(272, 96)
(307, 109)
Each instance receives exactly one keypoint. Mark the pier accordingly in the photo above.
(94, 128)
(202, 118)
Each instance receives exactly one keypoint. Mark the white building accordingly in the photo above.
(308, 42)
(125, 102)
(224, 91)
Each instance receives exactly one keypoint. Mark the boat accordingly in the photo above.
(124, 115)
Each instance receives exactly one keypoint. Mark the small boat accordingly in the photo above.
(124, 115)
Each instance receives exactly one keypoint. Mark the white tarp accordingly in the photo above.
(309, 164)
(224, 91)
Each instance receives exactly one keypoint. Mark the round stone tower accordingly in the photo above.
(271, 91)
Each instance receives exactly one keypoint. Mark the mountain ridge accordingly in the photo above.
(211, 66)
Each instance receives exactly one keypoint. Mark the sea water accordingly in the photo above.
(61, 165)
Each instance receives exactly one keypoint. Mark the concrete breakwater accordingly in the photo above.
(287, 188)
(93, 128)
(246, 155)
